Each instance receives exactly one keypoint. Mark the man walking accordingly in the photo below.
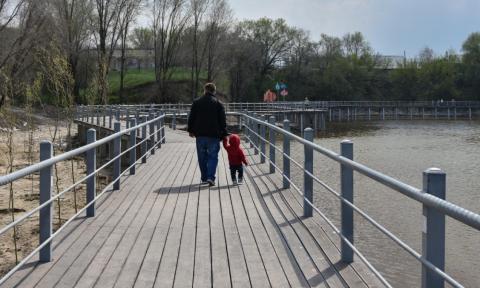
(207, 123)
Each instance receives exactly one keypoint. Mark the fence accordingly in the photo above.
(431, 196)
(149, 142)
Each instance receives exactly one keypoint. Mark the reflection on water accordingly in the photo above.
(403, 150)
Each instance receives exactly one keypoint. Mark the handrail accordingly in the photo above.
(380, 227)
(67, 155)
(461, 214)
(446, 208)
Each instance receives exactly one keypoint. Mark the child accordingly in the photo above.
(236, 157)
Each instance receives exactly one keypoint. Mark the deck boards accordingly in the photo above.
(162, 229)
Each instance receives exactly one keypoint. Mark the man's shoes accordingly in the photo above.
(203, 182)
(211, 182)
(234, 182)
(240, 181)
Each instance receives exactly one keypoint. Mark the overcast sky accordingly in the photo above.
(391, 26)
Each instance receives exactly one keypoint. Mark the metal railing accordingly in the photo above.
(431, 196)
(150, 141)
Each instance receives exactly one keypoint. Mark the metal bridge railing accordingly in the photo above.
(150, 141)
(432, 196)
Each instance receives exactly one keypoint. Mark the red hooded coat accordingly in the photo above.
(235, 152)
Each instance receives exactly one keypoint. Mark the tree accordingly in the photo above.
(142, 38)
(218, 23)
(426, 55)
(128, 14)
(72, 22)
(471, 62)
(273, 39)
(198, 7)
(170, 19)
(355, 44)
(107, 26)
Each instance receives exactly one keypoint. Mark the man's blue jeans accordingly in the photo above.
(207, 152)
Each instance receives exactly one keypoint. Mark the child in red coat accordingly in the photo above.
(236, 157)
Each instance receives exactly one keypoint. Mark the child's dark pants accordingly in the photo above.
(233, 172)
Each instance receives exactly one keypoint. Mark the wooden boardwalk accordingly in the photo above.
(162, 229)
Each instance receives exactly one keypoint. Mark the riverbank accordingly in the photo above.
(21, 150)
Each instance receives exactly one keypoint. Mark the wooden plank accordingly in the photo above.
(139, 250)
(202, 266)
(70, 242)
(256, 268)
(109, 235)
(304, 260)
(239, 273)
(150, 265)
(166, 274)
(290, 266)
(332, 252)
(322, 233)
(327, 273)
(108, 262)
(220, 263)
(356, 274)
(186, 256)
(273, 267)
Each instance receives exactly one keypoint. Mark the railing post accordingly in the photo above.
(162, 124)
(151, 131)
(133, 143)
(158, 123)
(46, 179)
(91, 167)
(433, 236)
(264, 137)
(117, 147)
(307, 179)
(346, 187)
(286, 151)
(255, 136)
(174, 121)
(144, 136)
(104, 116)
(250, 131)
(110, 117)
(97, 114)
(271, 131)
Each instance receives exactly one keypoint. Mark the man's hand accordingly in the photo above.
(191, 134)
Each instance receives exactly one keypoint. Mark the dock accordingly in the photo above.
(163, 229)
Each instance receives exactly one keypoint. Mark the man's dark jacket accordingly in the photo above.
(207, 118)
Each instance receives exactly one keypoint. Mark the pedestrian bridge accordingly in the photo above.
(155, 226)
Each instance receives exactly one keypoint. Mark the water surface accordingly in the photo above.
(403, 150)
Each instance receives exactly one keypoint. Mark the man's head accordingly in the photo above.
(210, 88)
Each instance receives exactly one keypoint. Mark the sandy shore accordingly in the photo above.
(25, 191)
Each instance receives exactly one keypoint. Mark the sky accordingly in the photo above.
(390, 26)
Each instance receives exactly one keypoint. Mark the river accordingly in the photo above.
(403, 150)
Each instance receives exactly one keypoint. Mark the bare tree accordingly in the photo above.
(170, 18)
(218, 23)
(128, 14)
(72, 21)
(107, 26)
(199, 7)
(142, 38)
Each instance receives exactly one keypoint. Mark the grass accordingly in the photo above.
(137, 77)
(133, 78)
